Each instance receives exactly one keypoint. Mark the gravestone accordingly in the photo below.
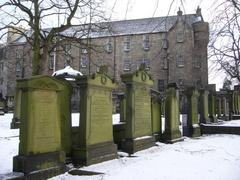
(219, 108)
(225, 108)
(95, 141)
(192, 116)
(204, 107)
(172, 132)
(43, 132)
(122, 108)
(212, 102)
(138, 112)
(15, 124)
(156, 114)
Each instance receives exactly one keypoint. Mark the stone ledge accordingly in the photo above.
(209, 129)
(131, 146)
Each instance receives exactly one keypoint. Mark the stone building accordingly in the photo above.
(173, 49)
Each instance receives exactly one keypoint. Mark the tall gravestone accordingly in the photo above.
(138, 133)
(44, 130)
(15, 124)
(212, 102)
(204, 107)
(219, 107)
(192, 116)
(95, 141)
(156, 114)
(172, 117)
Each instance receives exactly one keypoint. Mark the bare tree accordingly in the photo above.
(225, 38)
(74, 17)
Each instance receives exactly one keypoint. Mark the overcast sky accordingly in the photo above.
(134, 9)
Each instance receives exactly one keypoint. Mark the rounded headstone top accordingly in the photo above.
(68, 73)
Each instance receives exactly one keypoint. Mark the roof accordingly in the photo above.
(125, 27)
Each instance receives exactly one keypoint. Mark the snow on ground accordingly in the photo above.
(8, 143)
(215, 157)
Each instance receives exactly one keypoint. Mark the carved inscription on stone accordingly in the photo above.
(45, 122)
(142, 112)
(101, 118)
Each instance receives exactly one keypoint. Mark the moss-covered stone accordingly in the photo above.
(138, 111)
(156, 117)
(95, 141)
(204, 107)
(172, 118)
(192, 118)
(45, 124)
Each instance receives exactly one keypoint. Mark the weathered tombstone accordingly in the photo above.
(204, 107)
(122, 99)
(172, 117)
(156, 114)
(230, 96)
(192, 116)
(44, 128)
(15, 124)
(225, 109)
(2, 105)
(138, 112)
(95, 141)
(212, 102)
(219, 108)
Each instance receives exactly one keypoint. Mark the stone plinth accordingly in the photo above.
(44, 134)
(156, 116)
(95, 141)
(138, 133)
(204, 107)
(172, 118)
(192, 116)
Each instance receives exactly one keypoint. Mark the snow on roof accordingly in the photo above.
(124, 27)
(67, 72)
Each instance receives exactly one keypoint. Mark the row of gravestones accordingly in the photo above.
(46, 136)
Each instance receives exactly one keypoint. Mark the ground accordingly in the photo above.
(214, 157)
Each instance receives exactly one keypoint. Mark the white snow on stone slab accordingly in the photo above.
(116, 119)
(75, 119)
(143, 137)
(67, 70)
(231, 123)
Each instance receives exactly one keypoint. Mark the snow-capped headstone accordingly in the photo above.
(138, 133)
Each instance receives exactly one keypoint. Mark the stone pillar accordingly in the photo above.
(43, 132)
(192, 116)
(15, 124)
(122, 99)
(138, 134)
(204, 107)
(231, 104)
(156, 116)
(219, 107)
(212, 102)
(225, 109)
(95, 141)
(238, 102)
(172, 133)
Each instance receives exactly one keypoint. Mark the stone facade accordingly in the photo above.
(173, 48)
